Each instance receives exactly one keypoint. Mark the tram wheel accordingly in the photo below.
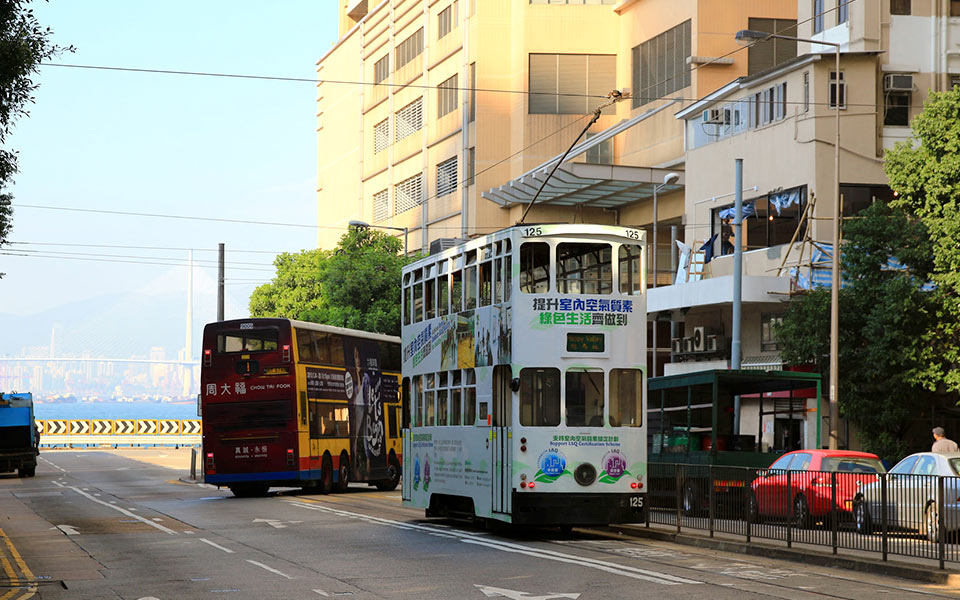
(343, 473)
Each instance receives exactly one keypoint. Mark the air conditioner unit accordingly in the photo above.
(688, 344)
(699, 339)
(713, 343)
(898, 82)
(676, 345)
(716, 116)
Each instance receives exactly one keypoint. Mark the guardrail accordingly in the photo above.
(119, 432)
(907, 515)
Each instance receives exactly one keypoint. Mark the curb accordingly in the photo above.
(889, 568)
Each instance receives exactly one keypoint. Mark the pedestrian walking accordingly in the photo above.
(941, 444)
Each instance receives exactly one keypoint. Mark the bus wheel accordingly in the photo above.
(393, 477)
(249, 490)
(326, 475)
(343, 473)
(26, 472)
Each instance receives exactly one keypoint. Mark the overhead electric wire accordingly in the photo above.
(182, 260)
(129, 247)
(147, 261)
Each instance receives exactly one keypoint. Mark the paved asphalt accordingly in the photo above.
(100, 525)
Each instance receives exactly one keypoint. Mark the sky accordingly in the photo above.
(166, 144)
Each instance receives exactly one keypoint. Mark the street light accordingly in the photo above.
(750, 36)
(365, 225)
(668, 179)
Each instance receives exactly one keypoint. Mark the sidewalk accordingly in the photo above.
(916, 569)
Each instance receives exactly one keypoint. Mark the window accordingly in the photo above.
(631, 269)
(539, 397)
(770, 220)
(904, 466)
(600, 154)
(409, 119)
(456, 295)
(769, 106)
(417, 301)
(508, 274)
(584, 398)
(660, 65)
(560, 83)
(473, 92)
(534, 267)
(954, 81)
(447, 176)
(806, 91)
(626, 403)
(800, 462)
(843, 11)
(381, 136)
(842, 90)
(329, 420)
(430, 298)
(447, 20)
(469, 397)
(927, 465)
(470, 287)
(851, 464)
(248, 340)
(417, 401)
(443, 291)
(408, 193)
(899, 7)
(407, 299)
(768, 328)
(471, 165)
(381, 205)
(770, 53)
(381, 69)
(896, 109)
(817, 16)
(409, 48)
(955, 8)
(584, 269)
(486, 283)
(447, 97)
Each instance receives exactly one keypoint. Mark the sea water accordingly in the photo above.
(115, 410)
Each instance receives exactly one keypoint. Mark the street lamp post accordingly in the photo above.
(668, 179)
(752, 36)
(363, 224)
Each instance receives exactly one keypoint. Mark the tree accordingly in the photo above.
(24, 44)
(355, 286)
(883, 312)
(925, 174)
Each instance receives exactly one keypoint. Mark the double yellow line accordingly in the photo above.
(23, 582)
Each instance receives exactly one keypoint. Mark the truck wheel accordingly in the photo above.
(26, 471)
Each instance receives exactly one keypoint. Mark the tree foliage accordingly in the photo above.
(357, 285)
(925, 174)
(883, 313)
(24, 44)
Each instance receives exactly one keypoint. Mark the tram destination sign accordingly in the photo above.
(585, 342)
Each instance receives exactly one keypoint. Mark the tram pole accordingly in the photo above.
(220, 283)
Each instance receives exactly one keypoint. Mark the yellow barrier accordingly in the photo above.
(113, 427)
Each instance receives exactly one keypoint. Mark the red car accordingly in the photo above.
(807, 493)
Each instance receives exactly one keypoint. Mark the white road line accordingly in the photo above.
(322, 593)
(271, 569)
(122, 511)
(53, 465)
(504, 546)
(215, 545)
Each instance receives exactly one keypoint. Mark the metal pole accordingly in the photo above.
(656, 190)
(737, 284)
(673, 270)
(220, 284)
(835, 275)
(406, 230)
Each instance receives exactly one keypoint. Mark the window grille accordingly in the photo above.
(447, 176)
(447, 96)
(408, 193)
(409, 48)
(770, 53)
(409, 120)
(899, 7)
(381, 136)
(660, 65)
(447, 20)
(561, 83)
(381, 205)
(381, 69)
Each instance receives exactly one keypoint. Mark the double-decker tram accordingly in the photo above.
(289, 403)
(524, 377)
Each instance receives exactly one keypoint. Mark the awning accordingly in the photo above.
(587, 184)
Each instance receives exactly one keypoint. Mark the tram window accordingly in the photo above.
(584, 398)
(498, 275)
(455, 406)
(442, 407)
(469, 397)
(540, 397)
(430, 298)
(417, 302)
(584, 269)
(486, 283)
(456, 292)
(406, 299)
(507, 276)
(429, 420)
(631, 272)
(534, 267)
(443, 295)
(626, 405)
(416, 401)
(405, 403)
(470, 288)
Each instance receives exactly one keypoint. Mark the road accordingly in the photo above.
(100, 525)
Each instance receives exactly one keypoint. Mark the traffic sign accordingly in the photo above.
(39, 425)
(191, 427)
(79, 427)
(125, 427)
(169, 426)
(57, 427)
(146, 427)
(101, 426)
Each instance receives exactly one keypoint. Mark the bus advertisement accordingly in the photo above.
(295, 404)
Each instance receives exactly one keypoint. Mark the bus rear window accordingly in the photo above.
(247, 340)
(226, 416)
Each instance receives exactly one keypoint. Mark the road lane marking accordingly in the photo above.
(53, 465)
(68, 529)
(216, 545)
(492, 592)
(322, 593)
(123, 511)
(504, 546)
(271, 569)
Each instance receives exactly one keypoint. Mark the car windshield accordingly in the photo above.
(955, 465)
(851, 464)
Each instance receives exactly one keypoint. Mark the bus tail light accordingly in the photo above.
(286, 354)
(290, 457)
(207, 357)
(211, 470)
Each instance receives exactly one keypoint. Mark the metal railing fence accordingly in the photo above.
(907, 515)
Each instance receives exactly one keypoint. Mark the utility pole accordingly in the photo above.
(220, 285)
(737, 284)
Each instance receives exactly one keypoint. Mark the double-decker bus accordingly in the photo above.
(289, 403)
(524, 377)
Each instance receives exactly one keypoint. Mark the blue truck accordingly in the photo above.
(19, 439)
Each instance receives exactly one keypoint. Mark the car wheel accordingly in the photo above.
(801, 512)
(861, 518)
(931, 523)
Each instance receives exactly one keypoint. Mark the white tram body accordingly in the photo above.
(524, 377)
